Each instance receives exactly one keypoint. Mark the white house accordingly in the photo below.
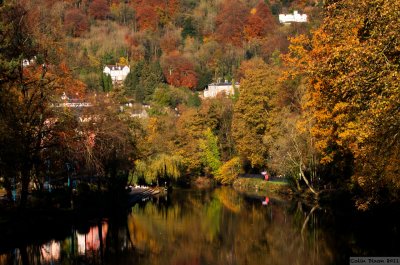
(26, 62)
(295, 17)
(215, 88)
(118, 73)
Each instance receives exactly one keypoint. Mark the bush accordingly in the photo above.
(229, 171)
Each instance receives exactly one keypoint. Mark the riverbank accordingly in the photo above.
(143, 193)
(277, 188)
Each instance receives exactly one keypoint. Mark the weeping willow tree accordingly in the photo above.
(161, 166)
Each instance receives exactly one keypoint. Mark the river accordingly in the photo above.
(217, 226)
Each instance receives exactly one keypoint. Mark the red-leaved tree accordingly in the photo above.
(179, 71)
(99, 9)
(260, 22)
(151, 14)
(75, 22)
(230, 22)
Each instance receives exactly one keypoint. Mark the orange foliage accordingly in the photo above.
(351, 64)
(135, 42)
(230, 22)
(179, 71)
(248, 65)
(260, 22)
(99, 9)
(76, 22)
(170, 41)
(151, 13)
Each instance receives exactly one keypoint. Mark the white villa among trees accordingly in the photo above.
(118, 73)
(295, 17)
(215, 88)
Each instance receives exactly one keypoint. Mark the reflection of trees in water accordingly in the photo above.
(194, 227)
(223, 229)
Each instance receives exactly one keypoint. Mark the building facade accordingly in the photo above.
(295, 17)
(118, 73)
(215, 88)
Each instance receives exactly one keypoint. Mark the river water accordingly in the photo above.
(220, 226)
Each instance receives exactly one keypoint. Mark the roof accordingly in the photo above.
(111, 66)
(223, 84)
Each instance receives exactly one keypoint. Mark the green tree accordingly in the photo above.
(150, 78)
(218, 115)
(205, 78)
(143, 79)
(132, 80)
(210, 153)
(106, 82)
(162, 167)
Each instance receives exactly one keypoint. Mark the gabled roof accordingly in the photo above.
(116, 67)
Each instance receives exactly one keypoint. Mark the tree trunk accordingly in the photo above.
(25, 179)
(306, 181)
(7, 186)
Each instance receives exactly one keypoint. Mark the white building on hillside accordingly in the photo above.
(118, 73)
(215, 88)
(295, 17)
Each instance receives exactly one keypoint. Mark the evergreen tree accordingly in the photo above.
(132, 82)
(106, 82)
(151, 77)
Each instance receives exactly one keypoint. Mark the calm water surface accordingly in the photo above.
(213, 227)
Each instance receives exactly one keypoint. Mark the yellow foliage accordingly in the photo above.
(122, 61)
(352, 72)
(229, 171)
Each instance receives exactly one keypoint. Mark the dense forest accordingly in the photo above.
(318, 102)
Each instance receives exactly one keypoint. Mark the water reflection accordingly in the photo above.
(223, 228)
(265, 202)
(91, 241)
(50, 252)
(78, 246)
(196, 227)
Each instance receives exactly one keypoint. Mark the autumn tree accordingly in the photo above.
(230, 22)
(260, 22)
(144, 45)
(170, 41)
(173, 97)
(123, 13)
(251, 114)
(99, 9)
(179, 71)
(153, 14)
(106, 144)
(204, 16)
(203, 136)
(229, 171)
(353, 94)
(218, 115)
(190, 127)
(209, 56)
(27, 94)
(75, 22)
